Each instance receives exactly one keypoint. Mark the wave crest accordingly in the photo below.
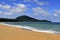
(32, 29)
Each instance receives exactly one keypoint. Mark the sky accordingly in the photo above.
(38, 9)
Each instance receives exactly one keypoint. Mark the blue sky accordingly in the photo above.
(39, 9)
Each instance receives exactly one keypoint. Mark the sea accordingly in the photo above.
(53, 28)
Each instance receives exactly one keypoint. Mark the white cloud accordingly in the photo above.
(39, 10)
(5, 6)
(37, 2)
(40, 3)
(7, 13)
(9, 10)
(56, 13)
(18, 8)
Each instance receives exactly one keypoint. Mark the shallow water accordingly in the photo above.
(38, 26)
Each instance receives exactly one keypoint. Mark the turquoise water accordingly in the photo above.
(40, 26)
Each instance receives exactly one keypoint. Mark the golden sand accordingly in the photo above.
(12, 33)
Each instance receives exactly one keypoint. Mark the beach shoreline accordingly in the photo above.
(29, 28)
(13, 33)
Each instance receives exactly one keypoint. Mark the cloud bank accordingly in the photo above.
(9, 10)
(40, 11)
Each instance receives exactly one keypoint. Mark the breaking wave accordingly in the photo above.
(32, 29)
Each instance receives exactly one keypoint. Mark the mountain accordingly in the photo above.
(23, 18)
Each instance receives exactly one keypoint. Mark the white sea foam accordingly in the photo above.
(32, 29)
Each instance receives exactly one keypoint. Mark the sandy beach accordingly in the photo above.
(13, 33)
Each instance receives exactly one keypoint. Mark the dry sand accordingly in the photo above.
(12, 33)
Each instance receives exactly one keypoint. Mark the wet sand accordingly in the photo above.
(13, 33)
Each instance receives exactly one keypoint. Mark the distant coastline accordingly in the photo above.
(23, 18)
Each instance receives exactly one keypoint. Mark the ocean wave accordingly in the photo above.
(32, 29)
